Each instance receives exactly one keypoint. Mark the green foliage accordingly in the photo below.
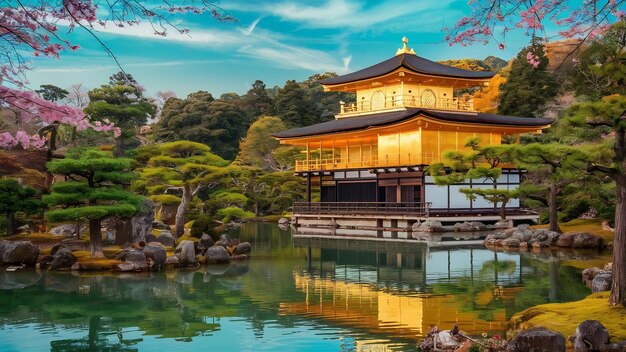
(490, 63)
(17, 198)
(306, 103)
(234, 214)
(481, 163)
(51, 92)
(601, 68)
(527, 88)
(200, 118)
(260, 150)
(95, 192)
(165, 199)
(122, 104)
(204, 224)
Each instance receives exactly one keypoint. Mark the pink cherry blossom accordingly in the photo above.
(31, 30)
(492, 19)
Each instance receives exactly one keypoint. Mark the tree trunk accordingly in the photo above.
(618, 287)
(503, 210)
(10, 223)
(119, 146)
(95, 238)
(180, 212)
(554, 214)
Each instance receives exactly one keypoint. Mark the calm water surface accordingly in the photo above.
(293, 295)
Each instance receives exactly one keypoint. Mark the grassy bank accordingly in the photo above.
(565, 317)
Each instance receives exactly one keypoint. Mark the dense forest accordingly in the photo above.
(202, 157)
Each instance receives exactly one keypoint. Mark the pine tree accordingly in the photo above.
(529, 86)
(551, 168)
(94, 192)
(480, 164)
(184, 165)
(16, 198)
(123, 103)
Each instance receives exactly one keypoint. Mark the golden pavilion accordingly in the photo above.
(368, 163)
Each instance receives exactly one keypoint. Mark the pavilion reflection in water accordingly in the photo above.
(405, 289)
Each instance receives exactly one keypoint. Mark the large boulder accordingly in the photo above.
(591, 335)
(587, 240)
(217, 255)
(157, 256)
(159, 225)
(186, 253)
(134, 260)
(510, 243)
(62, 259)
(589, 273)
(166, 239)
(565, 240)
(18, 252)
(283, 221)
(537, 340)
(522, 233)
(242, 248)
(502, 224)
(224, 241)
(205, 242)
(429, 226)
(64, 230)
(601, 282)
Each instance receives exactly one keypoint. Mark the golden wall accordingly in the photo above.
(401, 147)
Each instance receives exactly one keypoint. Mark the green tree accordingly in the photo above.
(256, 149)
(184, 165)
(256, 101)
(551, 169)
(16, 198)
(609, 116)
(306, 103)
(123, 103)
(95, 191)
(481, 164)
(200, 118)
(601, 68)
(528, 88)
(51, 92)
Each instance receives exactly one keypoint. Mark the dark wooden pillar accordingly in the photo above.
(308, 187)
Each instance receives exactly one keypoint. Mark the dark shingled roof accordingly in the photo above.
(386, 118)
(412, 62)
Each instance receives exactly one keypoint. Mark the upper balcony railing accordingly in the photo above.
(463, 104)
(367, 162)
(385, 161)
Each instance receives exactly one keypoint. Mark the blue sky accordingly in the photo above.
(273, 41)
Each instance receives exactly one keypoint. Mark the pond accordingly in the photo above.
(293, 295)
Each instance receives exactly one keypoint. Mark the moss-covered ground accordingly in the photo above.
(565, 317)
(593, 226)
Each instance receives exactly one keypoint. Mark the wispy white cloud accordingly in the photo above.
(251, 41)
(74, 69)
(248, 30)
(349, 14)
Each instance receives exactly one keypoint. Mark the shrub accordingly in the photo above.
(203, 224)
(234, 214)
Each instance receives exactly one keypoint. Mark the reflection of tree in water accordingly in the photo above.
(95, 341)
(494, 268)
(538, 281)
(189, 304)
